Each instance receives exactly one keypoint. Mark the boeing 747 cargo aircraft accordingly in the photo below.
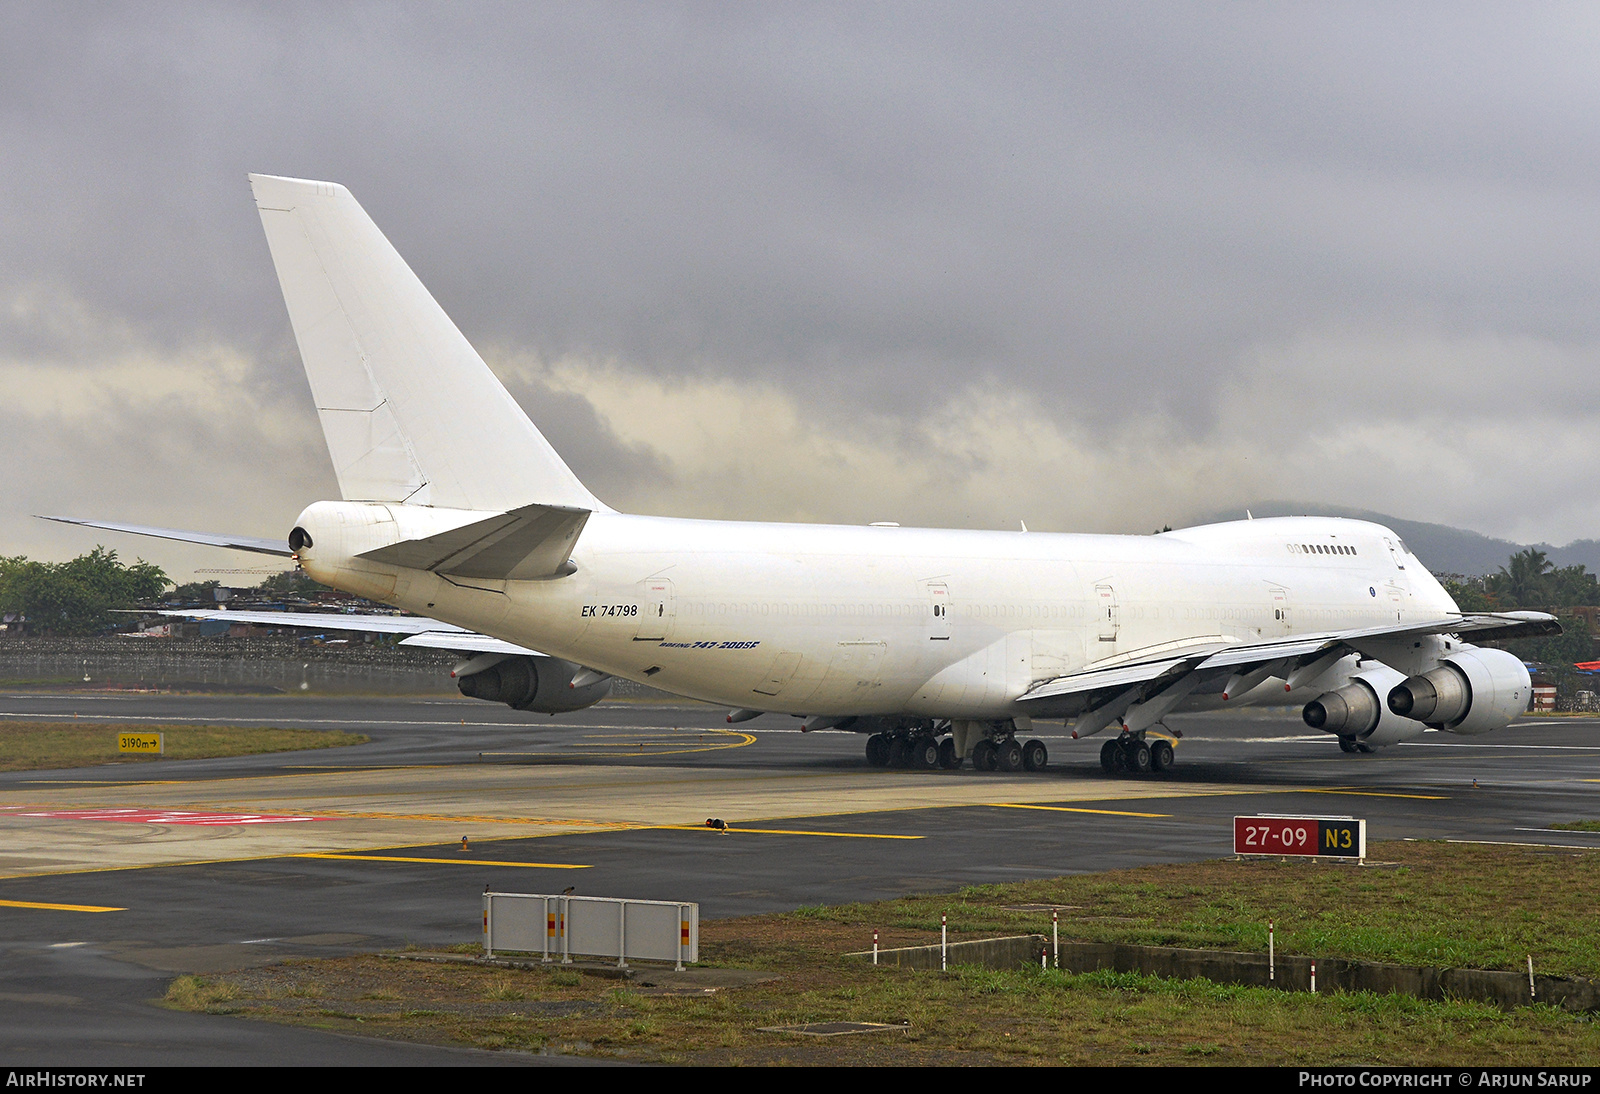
(942, 647)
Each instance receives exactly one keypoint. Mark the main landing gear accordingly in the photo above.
(910, 750)
(1007, 755)
(1132, 754)
(925, 747)
(1350, 744)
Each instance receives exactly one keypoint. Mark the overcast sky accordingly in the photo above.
(1096, 267)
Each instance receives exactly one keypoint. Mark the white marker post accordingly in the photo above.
(1272, 955)
(1055, 936)
(874, 945)
(944, 942)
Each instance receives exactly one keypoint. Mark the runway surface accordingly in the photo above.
(114, 879)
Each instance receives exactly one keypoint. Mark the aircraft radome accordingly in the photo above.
(942, 646)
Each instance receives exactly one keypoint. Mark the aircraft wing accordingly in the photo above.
(1134, 678)
(430, 633)
(257, 544)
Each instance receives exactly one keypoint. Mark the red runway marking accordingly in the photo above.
(166, 816)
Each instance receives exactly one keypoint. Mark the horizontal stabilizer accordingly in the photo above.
(210, 539)
(430, 633)
(322, 621)
(525, 544)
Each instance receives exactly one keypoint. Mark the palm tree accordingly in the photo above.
(1524, 584)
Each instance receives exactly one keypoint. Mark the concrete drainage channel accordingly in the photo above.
(1503, 989)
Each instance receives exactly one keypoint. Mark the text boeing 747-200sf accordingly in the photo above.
(939, 644)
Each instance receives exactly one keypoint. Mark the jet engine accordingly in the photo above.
(1357, 710)
(1473, 691)
(540, 684)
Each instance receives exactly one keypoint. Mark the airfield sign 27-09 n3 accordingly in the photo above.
(1308, 837)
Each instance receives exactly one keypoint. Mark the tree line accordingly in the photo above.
(76, 597)
(81, 597)
(1529, 580)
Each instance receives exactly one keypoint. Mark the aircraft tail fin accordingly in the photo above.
(410, 411)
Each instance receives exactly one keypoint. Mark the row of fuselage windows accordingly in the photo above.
(1322, 548)
(999, 611)
(888, 611)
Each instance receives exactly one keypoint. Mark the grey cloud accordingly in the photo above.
(1125, 213)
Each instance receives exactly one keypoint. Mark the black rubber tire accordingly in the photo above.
(983, 756)
(1138, 754)
(1035, 757)
(1161, 756)
(1347, 744)
(899, 752)
(1362, 746)
(877, 750)
(1119, 759)
(1108, 757)
(1008, 755)
(925, 753)
(947, 755)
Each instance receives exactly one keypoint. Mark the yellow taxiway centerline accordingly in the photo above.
(57, 907)
(1069, 809)
(764, 831)
(442, 861)
(1369, 793)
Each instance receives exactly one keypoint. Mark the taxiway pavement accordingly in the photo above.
(355, 849)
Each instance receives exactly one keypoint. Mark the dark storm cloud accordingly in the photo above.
(1132, 217)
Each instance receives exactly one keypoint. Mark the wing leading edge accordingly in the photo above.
(1146, 688)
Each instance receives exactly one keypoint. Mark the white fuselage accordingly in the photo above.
(844, 620)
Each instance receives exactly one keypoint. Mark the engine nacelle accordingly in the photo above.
(1357, 709)
(1473, 691)
(540, 684)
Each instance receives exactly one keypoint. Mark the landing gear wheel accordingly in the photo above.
(1108, 757)
(1138, 754)
(877, 750)
(1008, 755)
(984, 756)
(1161, 756)
(924, 753)
(1362, 746)
(947, 755)
(1034, 756)
(1347, 744)
(1119, 759)
(899, 752)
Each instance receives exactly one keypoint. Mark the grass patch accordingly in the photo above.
(1489, 900)
(35, 746)
(198, 993)
(1578, 826)
(1435, 904)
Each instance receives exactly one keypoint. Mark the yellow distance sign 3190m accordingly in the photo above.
(149, 743)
